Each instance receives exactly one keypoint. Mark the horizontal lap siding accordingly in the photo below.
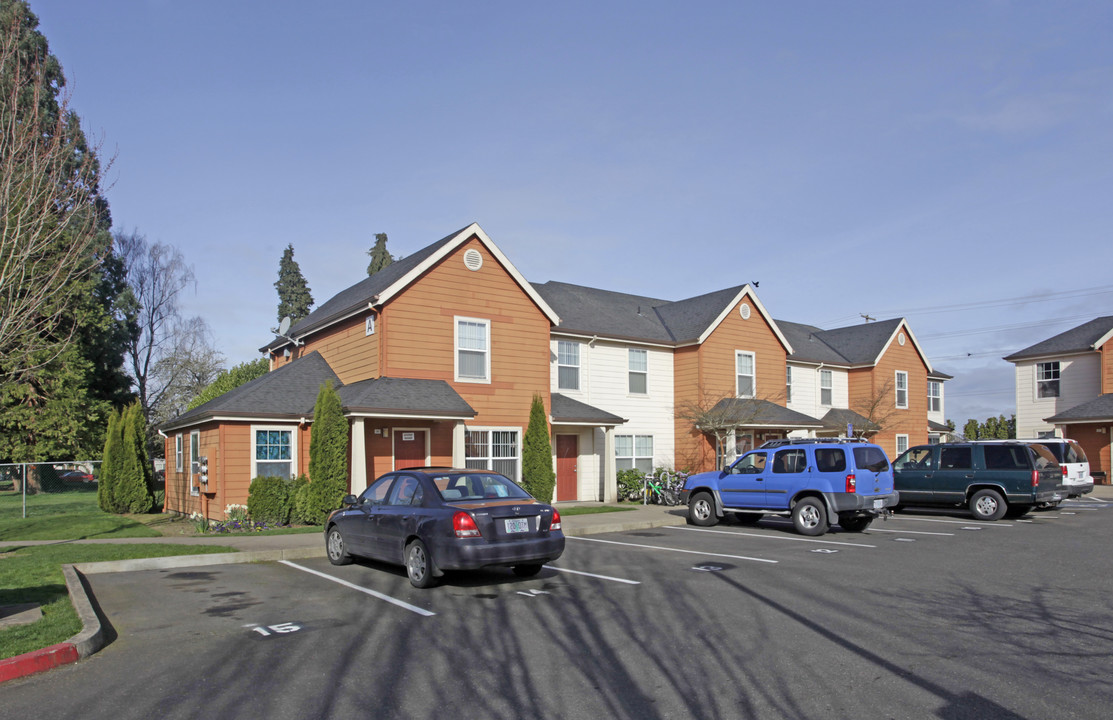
(693, 451)
(419, 332)
(717, 364)
(1106, 351)
(867, 383)
(351, 353)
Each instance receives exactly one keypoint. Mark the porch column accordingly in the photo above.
(359, 456)
(458, 444)
(610, 474)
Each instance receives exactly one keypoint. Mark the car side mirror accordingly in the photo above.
(349, 500)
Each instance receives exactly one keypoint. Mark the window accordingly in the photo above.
(376, 493)
(1047, 379)
(568, 365)
(954, 458)
(744, 369)
(902, 443)
(639, 372)
(790, 461)
(902, 389)
(830, 460)
(871, 458)
(473, 346)
(935, 396)
(1006, 457)
(406, 491)
(178, 453)
(194, 455)
(275, 452)
(826, 387)
(788, 384)
(918, 459)
(633, 452)
(495, 450)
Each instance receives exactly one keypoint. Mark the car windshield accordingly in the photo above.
(477, 486)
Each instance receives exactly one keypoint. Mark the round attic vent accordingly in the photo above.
(900, 338)
(473, 260)
(744, 311)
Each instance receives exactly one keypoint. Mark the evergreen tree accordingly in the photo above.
(110, 466)
(133, 487)
(230, 380)
(294, 299)
(538, 477)
(328, 456)
(970, 429)
(380, 258)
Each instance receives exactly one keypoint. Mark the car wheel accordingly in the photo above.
(336, 548)
(747, 518)
(987, 505)
(526, 570)
(701, 510)
(419, 566)
(809, 517)
(855, 524)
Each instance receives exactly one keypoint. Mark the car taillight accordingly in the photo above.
(851, 483)
(1064, 469)
(464, 525)
(1035, 478)
(555, 524)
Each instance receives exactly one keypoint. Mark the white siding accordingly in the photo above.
(805, 390)
(1079, 382)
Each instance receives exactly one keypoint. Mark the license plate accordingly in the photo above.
(878, 504)
(517, 525)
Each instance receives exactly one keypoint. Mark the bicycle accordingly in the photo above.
(660, 490)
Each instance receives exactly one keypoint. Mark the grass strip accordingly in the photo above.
(592, 509)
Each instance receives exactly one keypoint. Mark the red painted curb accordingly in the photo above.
(37, 661)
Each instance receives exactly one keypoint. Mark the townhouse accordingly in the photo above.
(438, 356)
(1064, 388)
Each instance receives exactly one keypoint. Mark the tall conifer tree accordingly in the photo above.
(294, 298)
(328, 455)
(537, 454)
(380, 258)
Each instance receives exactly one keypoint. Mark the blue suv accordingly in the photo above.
(818, 482)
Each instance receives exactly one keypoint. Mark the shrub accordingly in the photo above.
(268, 500)
(328, 457)
(111, 462)
(629, 483)
(538, 477)
(299, 496)
(132, 488)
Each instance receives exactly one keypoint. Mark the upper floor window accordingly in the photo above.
(902, 389)
(744, 369)
(902, 443)
(639, 371)
(788, 384)
(473, 350)
(1047, 379)
(935, 396)
(568, 365)
(826, 387)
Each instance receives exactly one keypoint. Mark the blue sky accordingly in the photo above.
(944, 161)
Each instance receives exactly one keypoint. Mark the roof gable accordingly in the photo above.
(865, 344)
(1086, 337)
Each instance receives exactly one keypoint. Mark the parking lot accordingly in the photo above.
(928, 614)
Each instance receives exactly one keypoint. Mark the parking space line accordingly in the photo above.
(994, 523)
(368, 591)
(911, 532)
(771, 537)
(669, 549)
(601, 577)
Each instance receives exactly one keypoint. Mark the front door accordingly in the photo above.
(568, 456)
(409, 449)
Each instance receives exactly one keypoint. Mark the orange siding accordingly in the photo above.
(346, 347)
(880, 380)
(693, 450)
(1106, 351)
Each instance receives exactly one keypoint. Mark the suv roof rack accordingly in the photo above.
(810, 441)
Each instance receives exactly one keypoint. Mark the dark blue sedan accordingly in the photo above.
(436, 519)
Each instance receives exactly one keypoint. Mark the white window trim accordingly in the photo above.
(738, 375)
(178, 452)
(897, 389)
(788, 384)
(1036, 378)
(906, 444)
(578, 365)
(293, 430)
(634, 449)
(486, 380)
(630, 371)
(493, 429)
(831, 388)
(194, 489)
(933, 396)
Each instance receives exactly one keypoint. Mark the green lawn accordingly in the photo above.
(34, 574)
(591, 509)
(64, 516)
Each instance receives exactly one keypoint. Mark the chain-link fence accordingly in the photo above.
(20, 481)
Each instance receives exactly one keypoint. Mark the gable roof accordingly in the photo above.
(1086, 337)
(808, 345)
(396, 277)
(839, 418)
(753, 412)
(566, 410)
(591, 311)
(1100, 409)
(291, 390)
(403, 396)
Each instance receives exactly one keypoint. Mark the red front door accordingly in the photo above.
(568, 455)
(409, 449)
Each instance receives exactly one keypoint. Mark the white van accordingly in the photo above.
(1072, 459)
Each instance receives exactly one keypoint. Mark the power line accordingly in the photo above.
(1016, 326)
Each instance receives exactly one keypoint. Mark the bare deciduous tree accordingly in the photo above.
(51, 210)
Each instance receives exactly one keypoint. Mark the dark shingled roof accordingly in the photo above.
(1077, 339)
(404, 396)
(754, 412)
(837, 419)
(808, 345)
(939, 427)
(1100, 409)
(290, 390)
(688, 319)
(861, 344)
(603, 312)
(359, 295)
(567, 410)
